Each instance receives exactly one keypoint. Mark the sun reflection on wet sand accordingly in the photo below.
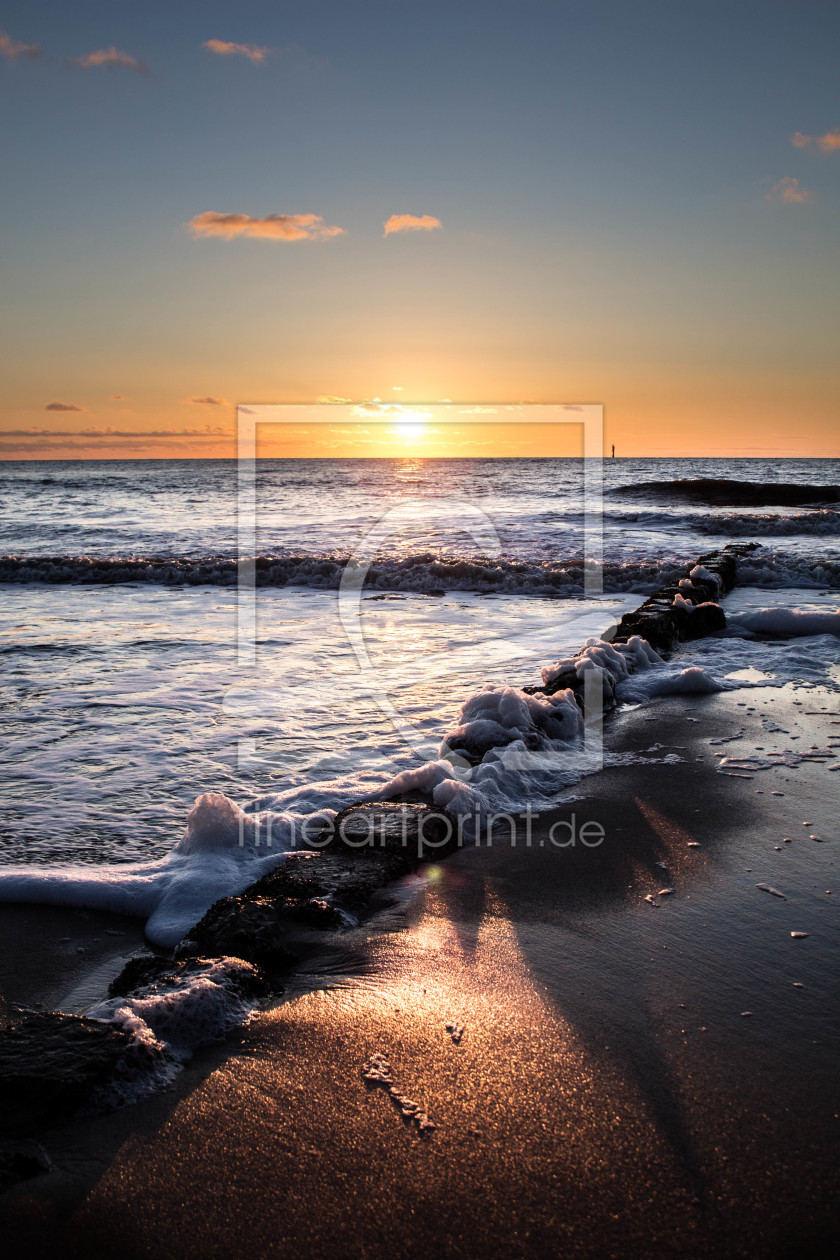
(535, 1135)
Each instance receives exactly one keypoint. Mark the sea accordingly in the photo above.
(148, 661)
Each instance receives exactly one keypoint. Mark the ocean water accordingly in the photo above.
(476, 525)
(127, 694)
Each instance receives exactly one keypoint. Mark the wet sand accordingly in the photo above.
(610, 1096)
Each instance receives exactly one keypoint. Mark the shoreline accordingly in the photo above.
(583, 1104)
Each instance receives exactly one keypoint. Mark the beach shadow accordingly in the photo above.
(601, 985)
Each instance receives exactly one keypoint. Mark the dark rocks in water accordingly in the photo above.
(664, 623)
(138, 973)
(391, 826)
(52, 1064)
(656, 625)
(21, 1161)
(148, 974)
(663, 619)
(723, 492)
(568, 678)
(251, 929)
(348, 879)
(275, 921)
(706, 618)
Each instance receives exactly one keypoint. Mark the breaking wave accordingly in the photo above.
(724, 492)
(821, 521)
(428, 573)
(432, 573)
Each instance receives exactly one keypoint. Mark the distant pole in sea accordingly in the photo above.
(613, 454)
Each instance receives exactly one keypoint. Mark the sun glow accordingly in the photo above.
(409, 423)
(410, 426)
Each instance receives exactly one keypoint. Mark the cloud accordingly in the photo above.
(828, 143)
(209, 401)
(96, 431)
(274, 227)
(111, 59)
(390, 411)
(12, 49)
(55, 405)
(224, 48)
(331, 398)
(788, 192)
(118, 397)
(411, 223)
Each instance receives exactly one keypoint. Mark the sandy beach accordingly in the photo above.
(634, 1077)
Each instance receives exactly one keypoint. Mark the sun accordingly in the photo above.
(410, 426)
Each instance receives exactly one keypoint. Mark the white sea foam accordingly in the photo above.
(614, 663)
(671, 681)
(186, 1011)
(168, 1019)
(785, 622)
(221, 852)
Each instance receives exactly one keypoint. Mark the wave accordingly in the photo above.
(429, 573)
(821, 521)
(729, 493)
(775, 570)
(424, 573)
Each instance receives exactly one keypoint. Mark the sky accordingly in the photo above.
(631, 203)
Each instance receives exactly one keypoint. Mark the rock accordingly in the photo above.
(568, 678)
(52, 1064)
(656, 625)
(664, 623)
(417, 830)
(774, 892)
(20, 1161)
(272, 923)
(706, 619)
(253, 930)
(148, 974)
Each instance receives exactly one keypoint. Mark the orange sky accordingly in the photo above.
(771, 419)
(551, 203)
